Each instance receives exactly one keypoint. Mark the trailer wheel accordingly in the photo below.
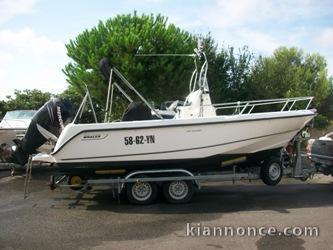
(272, 172)
(178, 191)
(76, 180)
(141, 192)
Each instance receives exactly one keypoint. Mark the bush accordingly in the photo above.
(321, 122)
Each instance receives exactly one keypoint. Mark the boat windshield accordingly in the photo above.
(19, 114)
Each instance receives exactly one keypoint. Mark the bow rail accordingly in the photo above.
(247, 107)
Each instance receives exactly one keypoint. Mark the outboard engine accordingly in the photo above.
(45, 125)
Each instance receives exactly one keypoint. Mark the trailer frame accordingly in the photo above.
(293, 167)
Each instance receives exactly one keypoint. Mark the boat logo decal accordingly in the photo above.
(193, 130)
(93, 136)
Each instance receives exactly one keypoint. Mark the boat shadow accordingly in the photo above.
(222, 199)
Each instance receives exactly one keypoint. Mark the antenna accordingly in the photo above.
(198, 78)
(155, 55)
(200, 44)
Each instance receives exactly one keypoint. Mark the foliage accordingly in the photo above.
(2, 109)
(321, 121)
(26, 99)
(232, 74)
(228, 74)
(289, 73)
(73, 96)
(120, 39)
(326, 106)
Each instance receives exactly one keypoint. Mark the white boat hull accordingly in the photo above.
(7, 135)
(175, 140)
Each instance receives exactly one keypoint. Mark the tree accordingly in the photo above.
(326, 107)
(289, 73)
(228, 74)
(120, 39)
(232, 75)
(2, 109)
(27, 99)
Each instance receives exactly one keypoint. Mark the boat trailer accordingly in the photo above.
(178, 185)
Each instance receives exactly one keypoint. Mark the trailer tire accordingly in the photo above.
(141, 193)
(178, 192)
(272, 171)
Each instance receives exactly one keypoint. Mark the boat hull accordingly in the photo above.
(213, 163)
(188, 143)
(7, 135)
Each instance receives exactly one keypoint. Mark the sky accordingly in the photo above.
(33, 33)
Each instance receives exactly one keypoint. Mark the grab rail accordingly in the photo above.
(241, 106)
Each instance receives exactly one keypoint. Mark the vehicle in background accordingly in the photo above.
(14, 125)
(320, 152)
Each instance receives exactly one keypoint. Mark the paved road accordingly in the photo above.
(64, 220)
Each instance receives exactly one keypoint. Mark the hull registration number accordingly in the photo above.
(139, 139)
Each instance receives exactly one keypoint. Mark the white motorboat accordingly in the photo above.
(200, 135)
(14, 125)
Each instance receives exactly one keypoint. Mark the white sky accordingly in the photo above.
(33, 32)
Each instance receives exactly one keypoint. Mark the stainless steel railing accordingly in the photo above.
(247, 107)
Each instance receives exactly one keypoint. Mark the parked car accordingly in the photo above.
(320, 152)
